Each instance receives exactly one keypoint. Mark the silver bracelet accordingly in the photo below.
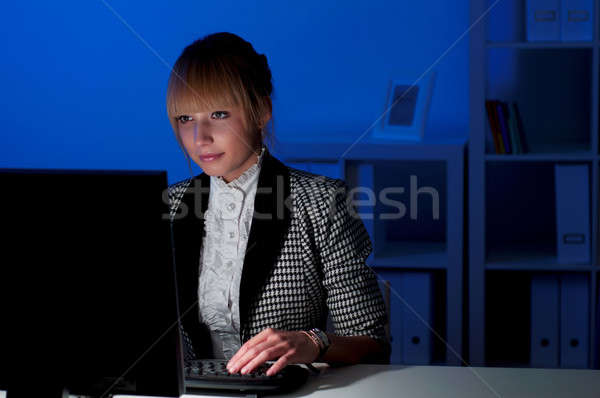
(323, 340)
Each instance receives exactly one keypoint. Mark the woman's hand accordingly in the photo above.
(269, 344)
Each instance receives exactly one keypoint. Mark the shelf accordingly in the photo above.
(567, 151)
(418, 255)
(520, 216)
(539, 267)
(539, 45)
(549, 123)
(541, 157)
(528, 258)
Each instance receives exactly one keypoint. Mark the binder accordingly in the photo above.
(416, 290)
(543, 23)
(544, 321)
(572, 213)
(576, 20)
(574, 339)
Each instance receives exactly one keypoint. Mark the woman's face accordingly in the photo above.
(222, 132)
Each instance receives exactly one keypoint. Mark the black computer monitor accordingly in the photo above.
(87, 286)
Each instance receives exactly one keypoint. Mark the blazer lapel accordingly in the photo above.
(270, 222)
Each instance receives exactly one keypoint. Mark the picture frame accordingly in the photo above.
(406, 109)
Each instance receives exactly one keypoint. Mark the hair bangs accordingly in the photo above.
(205, 86)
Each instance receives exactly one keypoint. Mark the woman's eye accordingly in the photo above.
(184, 118)
(219, 115)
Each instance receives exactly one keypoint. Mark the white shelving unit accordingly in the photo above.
(406, 244)
(512, 215)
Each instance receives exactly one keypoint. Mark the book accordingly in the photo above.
(512, 138)
(503, 128)
(506, 127)
(489, 107)
(519, 125)
(495, 126)
(512, 127)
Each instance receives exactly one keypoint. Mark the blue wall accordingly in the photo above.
(82, 90)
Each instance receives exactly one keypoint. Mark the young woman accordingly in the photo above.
(263, 252)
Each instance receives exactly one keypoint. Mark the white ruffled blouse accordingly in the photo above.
(227, 224)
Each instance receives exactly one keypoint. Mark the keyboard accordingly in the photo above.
(212, 374)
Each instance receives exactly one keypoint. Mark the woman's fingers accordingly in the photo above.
(259, 351)
(272, 344)
(232, 365)
(264, 356)
(281, 363)
(250, 350)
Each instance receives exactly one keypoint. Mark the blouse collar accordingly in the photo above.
(245, 179)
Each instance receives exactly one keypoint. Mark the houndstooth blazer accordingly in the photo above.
(305, 258)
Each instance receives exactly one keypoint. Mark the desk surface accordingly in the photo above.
(371, 381)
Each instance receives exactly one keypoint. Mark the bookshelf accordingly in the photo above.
(512, 199)
(428, 239)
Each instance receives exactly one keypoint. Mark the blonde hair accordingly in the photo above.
(221, 70)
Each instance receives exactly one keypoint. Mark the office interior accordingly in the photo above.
(490, 257)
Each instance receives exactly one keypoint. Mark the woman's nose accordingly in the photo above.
(202, 134)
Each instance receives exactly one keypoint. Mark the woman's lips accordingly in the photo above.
(211, 157)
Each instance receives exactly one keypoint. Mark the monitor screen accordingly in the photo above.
(87, 294)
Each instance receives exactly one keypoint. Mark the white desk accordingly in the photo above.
(372, 381)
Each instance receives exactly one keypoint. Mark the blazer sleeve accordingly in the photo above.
(353, 296)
